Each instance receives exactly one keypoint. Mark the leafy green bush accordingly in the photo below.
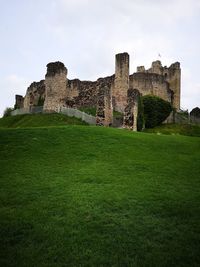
(40, 101)
(117, 114)
(7, 112)
(195, 112)
(156, 110)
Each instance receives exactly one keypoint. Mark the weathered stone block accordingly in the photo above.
(104, 113)
(131, 109)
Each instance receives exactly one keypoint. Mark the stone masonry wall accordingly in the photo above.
(170, 75)
(151, 83)
(121, 81)
(55, 83)
(81, 93)
(19, 101)
(104, 113)
(35, 95)
(131, 109)
(173, 76)
(85, 93)
(73, 88)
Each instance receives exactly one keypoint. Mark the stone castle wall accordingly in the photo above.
(81, 93)
(151, 84)
(104, 109)
(171, 75)
(19, 101)
(35, 95)
(106, 94)
(131, 109)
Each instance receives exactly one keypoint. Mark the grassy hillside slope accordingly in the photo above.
(182, 129)
(38, 120)
(91, 196)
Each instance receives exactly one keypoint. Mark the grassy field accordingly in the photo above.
(182, 129)
(90, 196)
(38, 120)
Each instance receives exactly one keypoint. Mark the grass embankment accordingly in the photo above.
(91, 196)
(175, 129)
(38, 120)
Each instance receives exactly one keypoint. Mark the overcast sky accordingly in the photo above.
(86, 34)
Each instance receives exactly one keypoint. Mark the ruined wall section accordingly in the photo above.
(151, 84)
(104, 111)
(19, 101)
(84, 93)
(156, 68)
(81, 93)
(121, 81)
(35, 95)
(73, 88)
(55, 83)
(173, 76)
(131, 109)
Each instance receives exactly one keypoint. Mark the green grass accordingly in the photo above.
(38, 120)
(117, 114)
(175, 129)
(89, 110)
(92, 196)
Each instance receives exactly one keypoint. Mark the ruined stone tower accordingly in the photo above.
(164, 82)
(19, 101)
(173, 76)
(55, 83)
(121, 85)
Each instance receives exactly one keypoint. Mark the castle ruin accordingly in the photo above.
(118, 92)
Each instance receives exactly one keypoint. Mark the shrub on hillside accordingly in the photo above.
(7, 112)
(195, 112)
(156, 110)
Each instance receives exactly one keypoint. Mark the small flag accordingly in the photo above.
(159, 54)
